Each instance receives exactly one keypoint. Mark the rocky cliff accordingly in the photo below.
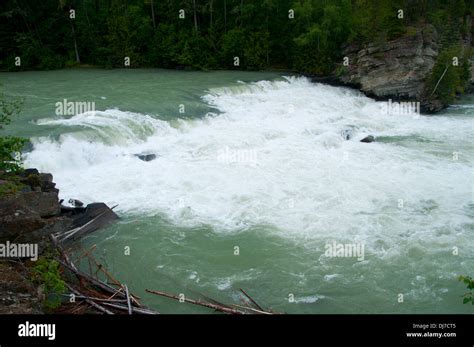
(396, 69)
(31, 214)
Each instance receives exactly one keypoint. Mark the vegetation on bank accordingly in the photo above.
(46, 273)
(450, 75)
(10, 149)
(469, 282)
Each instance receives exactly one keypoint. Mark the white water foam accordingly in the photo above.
(308, 181)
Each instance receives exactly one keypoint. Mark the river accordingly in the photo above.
(254, 177)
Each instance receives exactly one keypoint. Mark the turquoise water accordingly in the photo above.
(257, 161)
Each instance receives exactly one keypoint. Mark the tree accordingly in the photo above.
(10, 146)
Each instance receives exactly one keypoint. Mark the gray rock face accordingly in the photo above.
(45, 204)
(396, 69)
(32, 213)
(17, 219)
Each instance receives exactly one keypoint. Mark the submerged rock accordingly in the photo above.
(368, 139)
(346, 134)
(146, 157)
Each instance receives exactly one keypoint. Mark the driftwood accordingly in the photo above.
(251, 300)
(116, 299)
(128, 299)
(135, 309)
(111, 296)
(251, 309)
(215, 307)
(84, 297)
(90, 302)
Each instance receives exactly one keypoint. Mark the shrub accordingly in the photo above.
(447, 80)
(10, 146)
(469, 282)
(46, 272)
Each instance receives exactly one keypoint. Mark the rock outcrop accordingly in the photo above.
(29, 214)
(396, 69)
(33, 213)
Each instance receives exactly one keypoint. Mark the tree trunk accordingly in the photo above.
(267, 53)
(211, 10)
(78, 60)
(225, 16)
(153, 14)
(241, 12)
(195, 16)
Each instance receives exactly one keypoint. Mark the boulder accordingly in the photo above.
(146, 157)
(45, 204)
(368, 139)
(47, 184)
(17, 220)
(28, 172)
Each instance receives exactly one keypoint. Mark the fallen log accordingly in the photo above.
(252, 300)
(90, 279)
(82, 296)
(128, 299)
(215, 307)
(89, 301)
(253, 310)
(135, 309)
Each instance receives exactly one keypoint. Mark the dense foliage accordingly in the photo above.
(447, 80)
(46, 273)
(10, 146)
(261, 33)
(469, 296)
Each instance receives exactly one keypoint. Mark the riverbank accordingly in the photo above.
(33, 225)
(29, 213)
(50, 282)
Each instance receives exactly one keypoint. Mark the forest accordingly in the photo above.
(300, 35)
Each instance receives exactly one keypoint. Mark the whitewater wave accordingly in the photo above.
(312, 176)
